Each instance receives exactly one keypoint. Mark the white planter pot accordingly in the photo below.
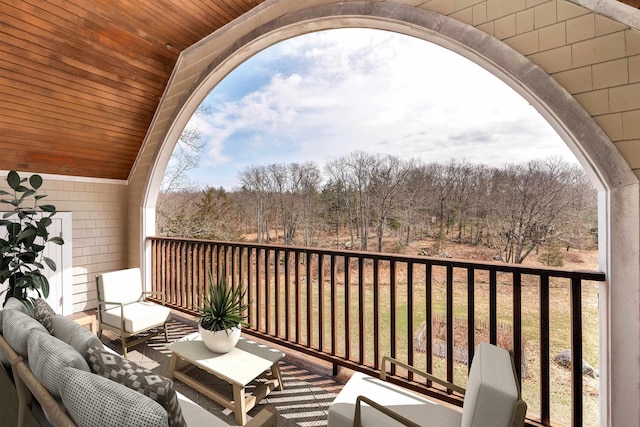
(220, 341)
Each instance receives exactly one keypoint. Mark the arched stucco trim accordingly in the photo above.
(618, 186)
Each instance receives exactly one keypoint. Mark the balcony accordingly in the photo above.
(350, 308)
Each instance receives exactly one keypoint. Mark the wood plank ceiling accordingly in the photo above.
(80, 80)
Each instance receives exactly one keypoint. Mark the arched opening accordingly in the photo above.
(618, 200)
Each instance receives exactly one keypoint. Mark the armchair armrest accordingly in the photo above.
(357, 419)
(428, 376)
(105, 303)
(110, 303)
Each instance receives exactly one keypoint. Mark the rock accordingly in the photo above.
(564, 359)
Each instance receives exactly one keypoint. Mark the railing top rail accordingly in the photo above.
(596, 276)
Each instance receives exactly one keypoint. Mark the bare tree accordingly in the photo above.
(186, 156)
(340, 198)
(531, 203)
(256, 185)
(359, 166)
(388, 178)
(306, 183)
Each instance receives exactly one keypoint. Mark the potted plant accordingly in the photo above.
(222, 313)
(22, 258)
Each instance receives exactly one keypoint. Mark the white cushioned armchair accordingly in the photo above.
(123, 310)
(492, 398)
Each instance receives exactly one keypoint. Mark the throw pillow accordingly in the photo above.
(75, 335)
(43, 313)
(92, 400)
(135, 377)
(16, 328)
(48, 356)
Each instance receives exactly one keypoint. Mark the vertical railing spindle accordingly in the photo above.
(361, 310)
(320, 302)
(410, 316)
(376, 313)
(576, 352)
(517, 323)
(493, 307)
(545, 371)
(450, 323)
(471, 316)
(392, 307)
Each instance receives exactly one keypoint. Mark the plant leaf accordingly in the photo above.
(56, 240)
(48, 208)
(35, 181)
(13, 179)
(51, 263)
(13, 229)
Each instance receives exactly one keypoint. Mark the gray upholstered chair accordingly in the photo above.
(123, 310)
(492, 398)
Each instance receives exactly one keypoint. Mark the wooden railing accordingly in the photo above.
(350, 308)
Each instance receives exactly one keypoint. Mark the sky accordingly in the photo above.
(323, 95)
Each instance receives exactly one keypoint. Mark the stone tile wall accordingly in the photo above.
(595, 58)
(99, 227)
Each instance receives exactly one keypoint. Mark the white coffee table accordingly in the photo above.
(246, 362)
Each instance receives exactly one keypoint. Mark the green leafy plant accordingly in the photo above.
(22, 257)
(223, 307)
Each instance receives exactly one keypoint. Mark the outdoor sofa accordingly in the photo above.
(47, 378)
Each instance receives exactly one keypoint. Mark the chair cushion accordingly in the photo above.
(130, 374)
(92, 400)
(123, 286)
(16, 328)
(43, 313)
(48, 356)
(414, 407)
(138, 316)
(492, 391)
(73, 334)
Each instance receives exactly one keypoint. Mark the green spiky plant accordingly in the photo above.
(22, 259)
(223, 307)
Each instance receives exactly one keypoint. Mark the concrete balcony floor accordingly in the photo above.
(309, 388)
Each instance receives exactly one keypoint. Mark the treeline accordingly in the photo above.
(384, 203)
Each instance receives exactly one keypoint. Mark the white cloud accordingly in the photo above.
(339, 91)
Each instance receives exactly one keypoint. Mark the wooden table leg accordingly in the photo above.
(172, 365)
(275, 371)
(239, 404)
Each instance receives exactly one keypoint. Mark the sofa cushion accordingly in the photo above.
(17, 305)
(16, 328)
(138, 316)
(43, 313)
(48, 356)
(92, 400)
(75, 335)
(13, 304)
(135, 377)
